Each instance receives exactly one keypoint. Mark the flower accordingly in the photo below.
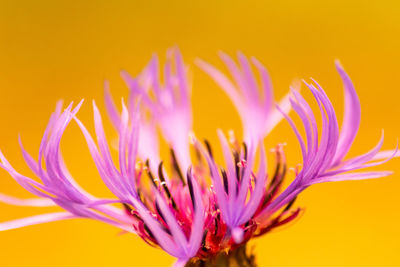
(200, 208)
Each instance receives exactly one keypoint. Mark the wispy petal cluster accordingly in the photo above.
(254, 101)
(57, 186)
(168, 104)
(323, 160)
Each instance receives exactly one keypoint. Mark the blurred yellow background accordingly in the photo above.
(51, 50)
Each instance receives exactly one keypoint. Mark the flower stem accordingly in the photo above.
(236, 258)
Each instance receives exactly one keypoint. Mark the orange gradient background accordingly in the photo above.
(51, 50)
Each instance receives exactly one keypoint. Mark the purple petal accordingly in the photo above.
(32, 202)
(160, 235)
(385, 154)
(231, 172)
(217, 183)
(352, 176)
(352, 116)
(174, 227)
(258, 192)
(276, 116)
(223, 81)
(296, 132)
(251, 87)
(266, 85)
(196, 234)
(44, 218)
(365, 157)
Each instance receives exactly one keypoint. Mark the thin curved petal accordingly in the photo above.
(352, 115)
(38, 219)
(31, 202)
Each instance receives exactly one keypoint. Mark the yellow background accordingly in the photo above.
(65, 49)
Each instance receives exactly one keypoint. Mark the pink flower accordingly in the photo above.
(200, 207)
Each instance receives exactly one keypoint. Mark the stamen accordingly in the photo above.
(225, 180)
(242, 163)
(236, 158)
(159, 211)
(203, 240)
(289, 205)
(281, 168)
(280, 172)
(175, 166)
(148, 231)
(216, 221)
(164, 185)
(128, 207)
(190, 186)
(208, 146)
(198, 155)
(245, 150)
(150, 174)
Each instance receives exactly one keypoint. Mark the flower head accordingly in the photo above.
(200, 207)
